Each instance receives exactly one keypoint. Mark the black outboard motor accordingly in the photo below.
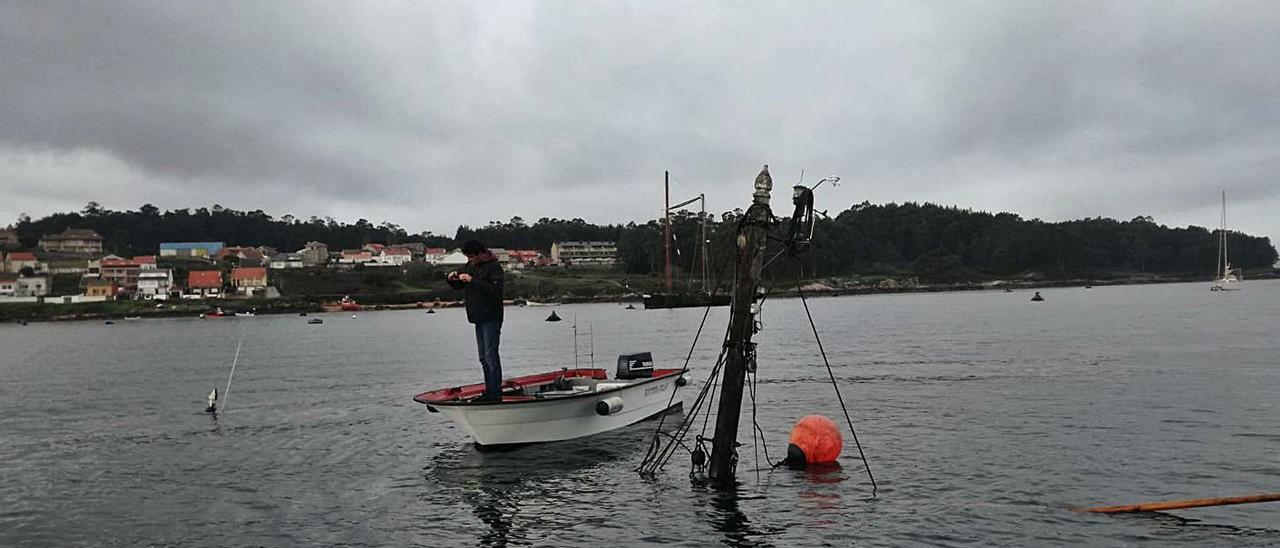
(635, 366)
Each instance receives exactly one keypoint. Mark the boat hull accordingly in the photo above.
(684, 300)
(557, 419)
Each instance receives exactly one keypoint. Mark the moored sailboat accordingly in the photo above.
(1224, 278)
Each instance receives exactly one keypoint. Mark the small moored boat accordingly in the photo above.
(560, 405)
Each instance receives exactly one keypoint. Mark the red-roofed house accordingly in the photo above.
(249, 279)
(204, 283)
(355, 256)
(124, 272)
(374, 248)
(393, 256)
(524, 257)
(434, 254)
(17, 260)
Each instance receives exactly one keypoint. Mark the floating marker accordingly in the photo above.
(814, 440)
(213, 402)
(553, 317)
(1037, 298)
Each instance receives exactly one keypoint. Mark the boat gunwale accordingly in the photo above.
(658, 374)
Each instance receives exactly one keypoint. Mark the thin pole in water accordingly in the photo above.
(226, 394)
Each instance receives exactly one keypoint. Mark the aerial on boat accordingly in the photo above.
(1225, 278)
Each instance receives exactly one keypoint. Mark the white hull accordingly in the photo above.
(557, 419)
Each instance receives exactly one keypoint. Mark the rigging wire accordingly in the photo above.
(836, 386)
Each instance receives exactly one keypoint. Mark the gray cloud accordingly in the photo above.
(431, 115)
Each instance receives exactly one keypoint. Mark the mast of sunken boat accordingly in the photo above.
(740, 355)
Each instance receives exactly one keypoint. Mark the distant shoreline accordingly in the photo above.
(322, 304)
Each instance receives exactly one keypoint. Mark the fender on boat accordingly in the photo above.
(609, 406)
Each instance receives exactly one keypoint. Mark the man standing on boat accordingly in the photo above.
(481, 281)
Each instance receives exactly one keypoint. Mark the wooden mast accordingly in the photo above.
(740, 354)
(666, 225)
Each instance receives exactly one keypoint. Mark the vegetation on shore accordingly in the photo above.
(930, 242)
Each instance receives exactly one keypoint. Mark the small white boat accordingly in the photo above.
(1225, 278)
(561, 405)
(133, 318)
(245, 314)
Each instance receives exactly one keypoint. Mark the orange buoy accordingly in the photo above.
(814, 440)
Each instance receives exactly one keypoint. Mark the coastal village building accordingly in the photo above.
(373, 249)
(8, 238)
(16, 261)
(73, 240)
(124, 272)
(100, 288)
(203, 250)
(418, 249)
(584, 253)
(155, 284)
(453, 258)
(204, 284)
(247, 256)
(8, 284)
(392, 256)
(282, 261)
(355, 256)
(314, 254)
(524, 257)
(32, 286)
(249, 280)
(434, 254)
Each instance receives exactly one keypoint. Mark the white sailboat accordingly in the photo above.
(1225, 278)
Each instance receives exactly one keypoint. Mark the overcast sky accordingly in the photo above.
(433, 114)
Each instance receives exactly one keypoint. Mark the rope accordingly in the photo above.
(836, 386)
(653, 445)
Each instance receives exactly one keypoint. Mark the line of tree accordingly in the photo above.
(932, 242)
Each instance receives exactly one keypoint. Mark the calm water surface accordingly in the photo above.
(986, 418)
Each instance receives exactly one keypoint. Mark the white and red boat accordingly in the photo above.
(561, 405)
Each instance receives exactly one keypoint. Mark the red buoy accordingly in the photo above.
(814, 440)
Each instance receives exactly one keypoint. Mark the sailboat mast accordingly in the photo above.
(666, 225)
(1225, 264)
(706, 287)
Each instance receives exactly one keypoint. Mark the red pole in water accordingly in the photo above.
(1182, 504)
(666, 213)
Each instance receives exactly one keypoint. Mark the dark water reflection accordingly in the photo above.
(986, 420)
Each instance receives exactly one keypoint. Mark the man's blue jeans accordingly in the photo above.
(487, 335)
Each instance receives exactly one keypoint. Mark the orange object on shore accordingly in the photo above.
(817, 438)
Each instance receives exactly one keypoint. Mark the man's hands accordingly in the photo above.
(462, 277)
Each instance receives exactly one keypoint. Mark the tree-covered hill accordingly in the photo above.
(935, 243)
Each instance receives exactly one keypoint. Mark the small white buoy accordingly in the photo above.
(353, 315)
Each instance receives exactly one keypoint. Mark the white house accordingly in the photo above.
(155, 284)
(34, 286)
(453, 258)
(392, 256)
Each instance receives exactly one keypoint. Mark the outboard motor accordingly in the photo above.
(635, 366)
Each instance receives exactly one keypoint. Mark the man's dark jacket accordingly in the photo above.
(484, 292)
